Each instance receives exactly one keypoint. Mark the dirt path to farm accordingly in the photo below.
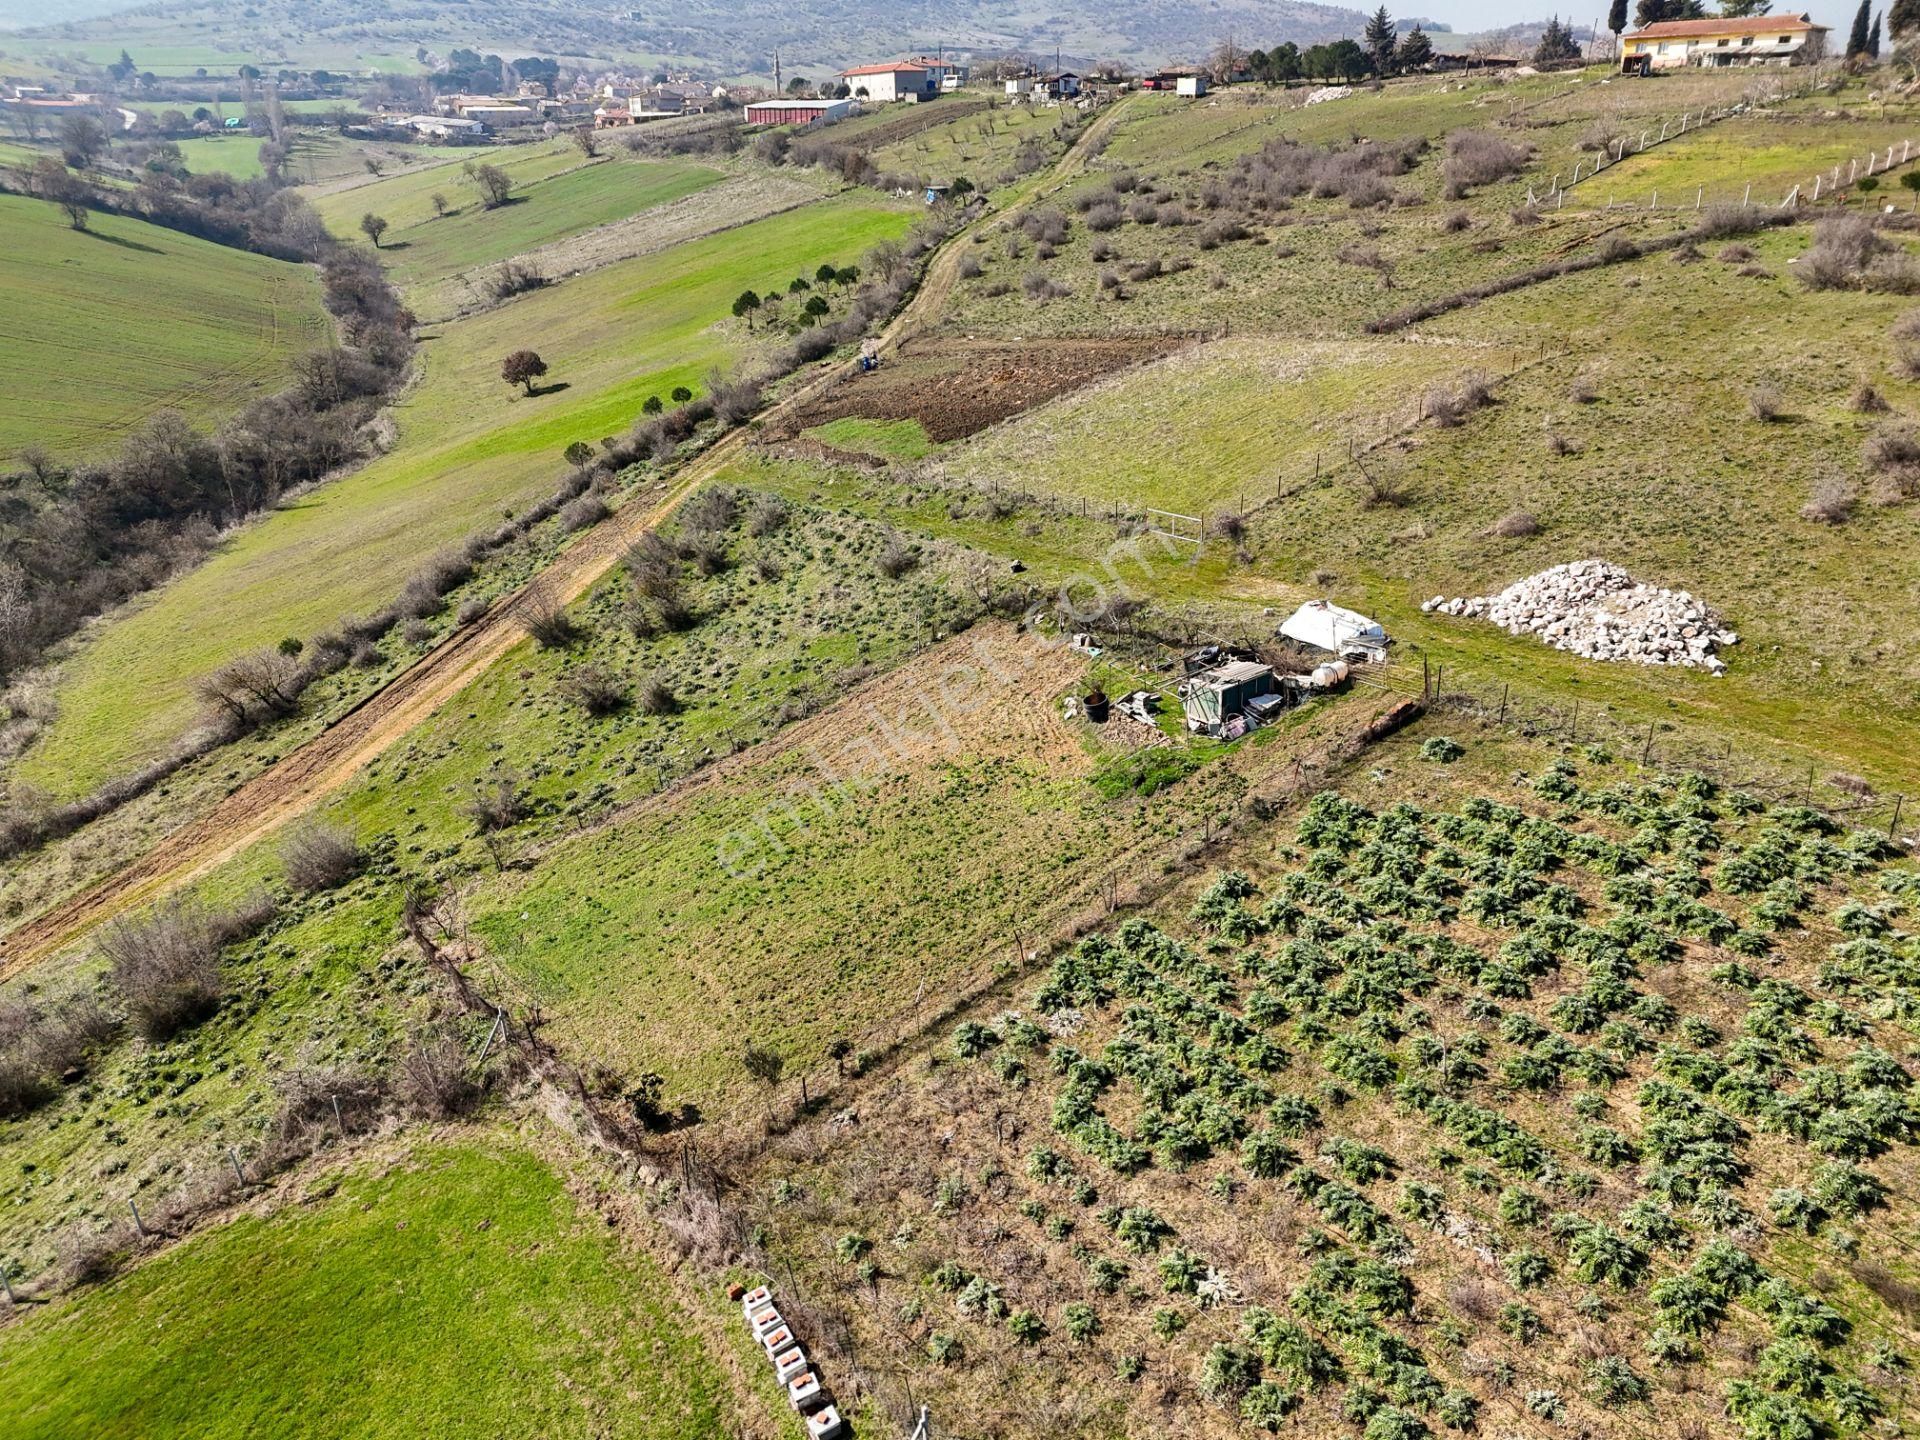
(326, 763)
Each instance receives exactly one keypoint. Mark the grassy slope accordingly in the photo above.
(1771, 154)
(468, 448)
(464, 243)
(406, 199)
(461, 1281)
(1212, 426)
(99, 330)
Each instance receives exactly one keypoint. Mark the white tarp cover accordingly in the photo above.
(1327, 626)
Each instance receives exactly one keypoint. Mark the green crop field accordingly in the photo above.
(895, 439)
(462, 243)
(1215, 427)
(406, 199)
(1771, 154)
(457, 1279)
(469, 446)
(98, 330)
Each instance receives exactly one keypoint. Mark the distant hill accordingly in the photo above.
(731, 36)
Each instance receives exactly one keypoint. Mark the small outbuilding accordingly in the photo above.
(1327, 626)
(1191, 86)
(797, 112)
(1214, 698)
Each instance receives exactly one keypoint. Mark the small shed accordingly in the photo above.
(1192, 86)
(1213, 697)
(1326, 626)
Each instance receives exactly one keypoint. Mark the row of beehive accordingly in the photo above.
(804, 1391)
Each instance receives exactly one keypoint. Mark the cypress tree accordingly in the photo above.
(1873, 38)
(1862, 23)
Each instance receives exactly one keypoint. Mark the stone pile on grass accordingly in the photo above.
(1598, 610)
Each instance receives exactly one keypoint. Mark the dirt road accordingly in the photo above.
(328, 761)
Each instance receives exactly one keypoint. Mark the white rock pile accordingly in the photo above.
(1329, 92)
(1598, 610)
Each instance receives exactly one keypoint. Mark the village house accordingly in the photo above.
(1712, 44)
(895, 80)
(942, 74)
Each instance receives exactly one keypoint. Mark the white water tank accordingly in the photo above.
(1330, 676)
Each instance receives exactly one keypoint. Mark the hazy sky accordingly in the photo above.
(1465, 15)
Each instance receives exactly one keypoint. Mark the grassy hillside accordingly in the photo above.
(444, 1280)
(469, 447)
(100, 329)
(406, 199)
(1543, 1068)
(464, 243)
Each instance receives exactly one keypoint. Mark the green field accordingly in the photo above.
(457, 1279)
(316, 155)
(464, 242)
(1769, 153)
(1221, 426)
(469, 447)
(895, 439)
(99, 330)
(406, 199)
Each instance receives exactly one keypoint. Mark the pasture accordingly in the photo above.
(100, 329)
(417, 1287)
(1219, 426)
(405, 198)
(1770, 153)
(461, 244)
(469, 447)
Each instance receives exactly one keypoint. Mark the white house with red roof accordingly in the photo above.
(1714, 44)
(895, 80)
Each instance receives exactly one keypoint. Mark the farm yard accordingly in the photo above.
(757, 863)
(103, 329)
(901, 838)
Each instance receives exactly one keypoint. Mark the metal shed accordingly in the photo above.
(1215, 696)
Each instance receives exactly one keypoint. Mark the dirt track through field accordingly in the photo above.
(327, 762)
